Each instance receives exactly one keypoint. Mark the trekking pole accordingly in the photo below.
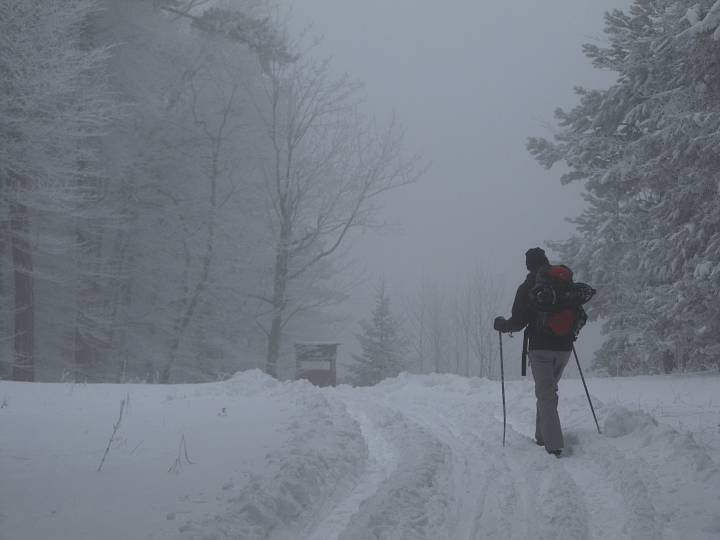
(502, 381)
(586, 390)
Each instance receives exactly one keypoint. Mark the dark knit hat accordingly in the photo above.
(535, 258)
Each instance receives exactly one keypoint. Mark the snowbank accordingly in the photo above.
(259, 454)
(620, 422)
(316, 463)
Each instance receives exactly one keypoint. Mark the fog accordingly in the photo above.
(208, 247)
(470, 81)
(225, 344)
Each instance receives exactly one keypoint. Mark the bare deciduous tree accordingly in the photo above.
(451, 331)
(325, 170)
(215, 136)
(480, 307)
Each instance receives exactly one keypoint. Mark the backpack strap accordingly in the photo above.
(526, 339)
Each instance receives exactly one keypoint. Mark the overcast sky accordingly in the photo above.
(470, 80)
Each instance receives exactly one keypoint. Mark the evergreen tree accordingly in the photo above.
(382, 345)
(647, 150)
(54, 107)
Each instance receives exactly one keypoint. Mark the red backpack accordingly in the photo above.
(558, 301)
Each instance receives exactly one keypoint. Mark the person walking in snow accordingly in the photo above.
(549, 354)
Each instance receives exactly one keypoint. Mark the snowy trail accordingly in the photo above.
(601, 500)
(412, 500)
(414, 458)
(608, 486)
(469, 496)
(640, 479)
(614, 487)
(493, 488)
(382, 460)
(433, 472)
(604, 490)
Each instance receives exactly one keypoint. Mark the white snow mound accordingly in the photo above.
(620, 421)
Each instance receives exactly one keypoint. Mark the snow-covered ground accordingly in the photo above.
(417, 457)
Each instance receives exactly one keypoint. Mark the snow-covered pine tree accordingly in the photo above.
(382, 345)
(54, 107)
(647, 150)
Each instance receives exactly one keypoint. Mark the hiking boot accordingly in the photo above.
(556, 453)
(539, 443)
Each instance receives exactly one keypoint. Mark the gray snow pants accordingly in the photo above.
(547, 368)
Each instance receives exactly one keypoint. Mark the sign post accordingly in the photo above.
(317, 363)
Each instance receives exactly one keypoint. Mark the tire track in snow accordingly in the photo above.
(412, 502)
(632, 478)
(382, 460)
(485, 493)
(515, 493)
(468, 487)
(613, 488)
(601, 500)
(617, 500)
(451, 474)
(538, 498)
(608, 488)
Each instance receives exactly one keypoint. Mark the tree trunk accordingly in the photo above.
(467, 352)
(182, 325)
(86, 355)
(280, 276)
(91, 332)
(192, 302)
(22, 258)
(117, 301)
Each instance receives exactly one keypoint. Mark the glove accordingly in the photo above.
(500, 324)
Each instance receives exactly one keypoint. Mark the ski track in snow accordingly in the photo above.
(491, 488)
(382, 460)
(601, 490)
(608, 485)
(625, 497)
(412, 501)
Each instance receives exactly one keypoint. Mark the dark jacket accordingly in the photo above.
(523, 315)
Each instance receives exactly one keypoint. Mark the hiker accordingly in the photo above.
(549, 353)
